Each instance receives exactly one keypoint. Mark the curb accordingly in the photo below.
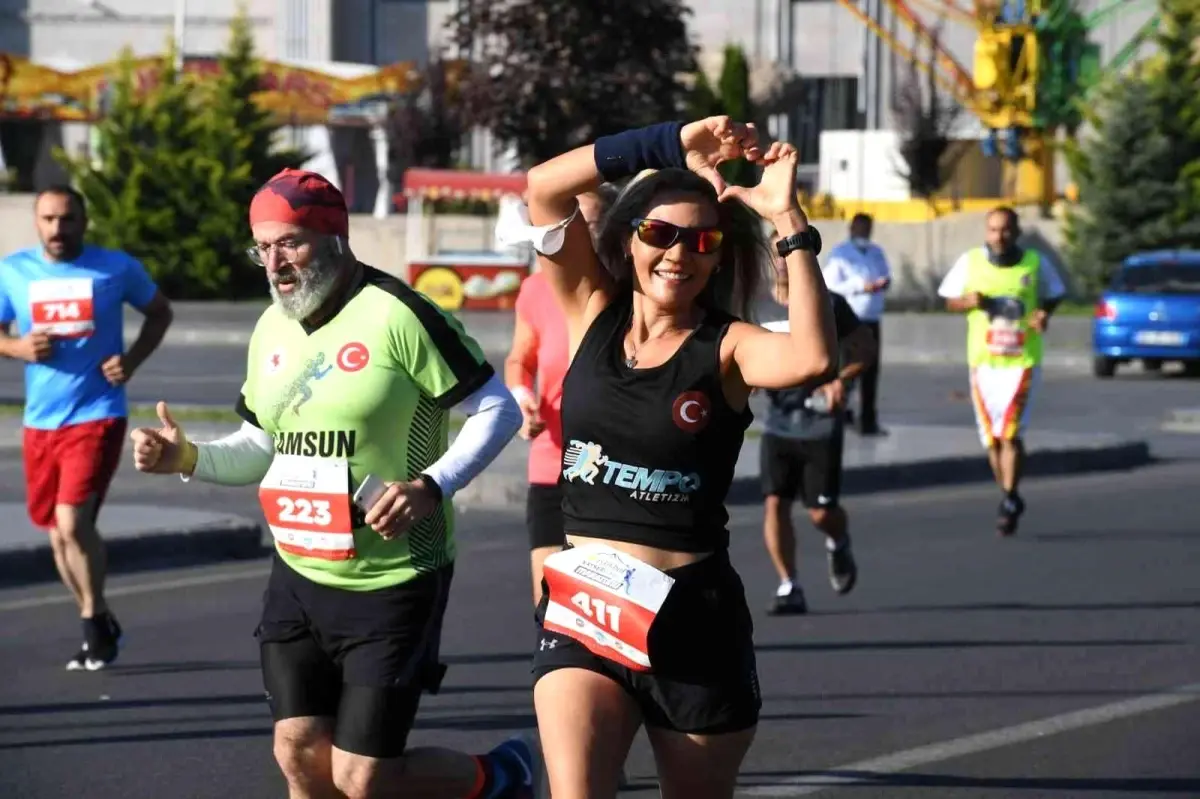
(1185, 420)
(509, 491)
(1058, 360)
(230, 538)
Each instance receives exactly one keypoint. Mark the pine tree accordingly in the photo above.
(152, 192)
(175, 169)
(241, 135)
(1139, 172)
(1173, 83)
(1128, 177)
(734, 87)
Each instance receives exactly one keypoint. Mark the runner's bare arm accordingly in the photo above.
(158, 320)
(953, 288)
(573, 271)
(520, 367)
(858, 351)
(807, 353)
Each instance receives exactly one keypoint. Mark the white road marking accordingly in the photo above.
(141, 588)
(817, 781)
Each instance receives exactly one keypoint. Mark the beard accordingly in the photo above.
(311, 287)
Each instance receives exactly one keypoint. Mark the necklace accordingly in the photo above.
(631, 359)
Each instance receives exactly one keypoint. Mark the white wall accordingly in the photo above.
(69, 32)
(861, 165)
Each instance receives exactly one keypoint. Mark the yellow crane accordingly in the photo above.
(1032, 64)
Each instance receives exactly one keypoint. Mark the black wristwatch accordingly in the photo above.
(807, 239)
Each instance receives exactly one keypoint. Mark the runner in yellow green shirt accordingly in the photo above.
(1008, 293)
(350, 378)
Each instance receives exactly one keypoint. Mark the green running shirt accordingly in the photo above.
(372, 388)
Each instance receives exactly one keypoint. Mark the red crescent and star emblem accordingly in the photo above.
(691, 411)
(353, 357)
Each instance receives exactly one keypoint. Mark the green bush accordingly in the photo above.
(1139, 171)
(175, 169)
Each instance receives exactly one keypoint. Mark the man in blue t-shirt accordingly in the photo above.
(67, 300)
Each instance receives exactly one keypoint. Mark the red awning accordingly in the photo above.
(436, 184)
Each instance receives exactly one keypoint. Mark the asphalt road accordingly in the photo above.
(1132, 403)
(922, 683)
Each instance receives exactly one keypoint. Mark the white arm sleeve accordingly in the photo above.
(235, 460)
(493, 418)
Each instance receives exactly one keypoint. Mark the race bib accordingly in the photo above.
(306, 502)
(606, 600)
(1006, 327)
(62, 307)
(1005, 338)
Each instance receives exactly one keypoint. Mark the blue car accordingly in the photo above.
(1151, 313)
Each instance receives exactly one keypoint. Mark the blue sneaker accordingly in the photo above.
(522, 758)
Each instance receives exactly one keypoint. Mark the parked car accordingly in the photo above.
(1150, 312)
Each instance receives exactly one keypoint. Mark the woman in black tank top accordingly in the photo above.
(643, 619)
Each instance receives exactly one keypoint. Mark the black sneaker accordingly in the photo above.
(1008, 515)
(79, 661)
(790, 604)
(102, 636)
(843, 571)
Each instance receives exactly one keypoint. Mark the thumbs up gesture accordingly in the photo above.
(165, 450)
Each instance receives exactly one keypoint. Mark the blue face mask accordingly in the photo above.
(861, 242)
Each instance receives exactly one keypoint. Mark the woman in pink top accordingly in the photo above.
(534, 372)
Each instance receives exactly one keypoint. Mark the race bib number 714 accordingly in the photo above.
(62, 307)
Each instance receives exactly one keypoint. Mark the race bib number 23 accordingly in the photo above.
(306, 503)
(606, 600)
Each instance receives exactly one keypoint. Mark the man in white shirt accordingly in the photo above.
(858, 270)
(1008, 293)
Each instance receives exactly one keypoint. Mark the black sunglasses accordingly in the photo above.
(663, 235)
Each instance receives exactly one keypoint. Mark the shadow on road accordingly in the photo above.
(867, 779)
(180, 667)
(505, 722)
(1014, 643)
(1023, 607)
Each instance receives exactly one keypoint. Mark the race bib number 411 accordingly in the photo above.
(306, 503)
(62, 307)
(606, 600)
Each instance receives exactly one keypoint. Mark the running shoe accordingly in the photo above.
(843, 571)
(790, 604)
(1008, 515)
(102, 642)
(522, 756)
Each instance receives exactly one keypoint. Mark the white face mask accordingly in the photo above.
(860, 242)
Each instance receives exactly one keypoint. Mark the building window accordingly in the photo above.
(829, 104)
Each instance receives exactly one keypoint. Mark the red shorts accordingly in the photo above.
(68, 465)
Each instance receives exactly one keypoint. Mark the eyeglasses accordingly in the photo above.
(287, 249)
(663, 235)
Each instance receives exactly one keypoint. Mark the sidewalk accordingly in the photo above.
(911, 456)
(908, 338)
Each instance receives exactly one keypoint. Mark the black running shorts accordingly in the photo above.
(808, 469)
(543, 516)
(705, 679)
(359, 657)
